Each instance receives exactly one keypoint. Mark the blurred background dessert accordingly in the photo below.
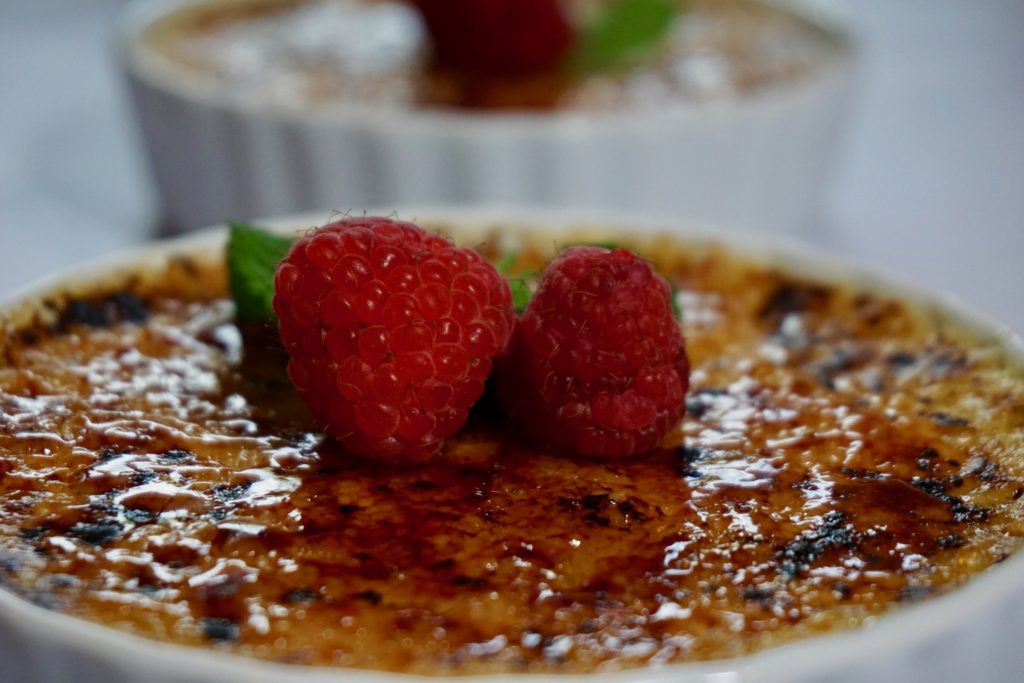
(726, 111)
(326, 54)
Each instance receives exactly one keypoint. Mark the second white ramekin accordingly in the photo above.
(755, 163)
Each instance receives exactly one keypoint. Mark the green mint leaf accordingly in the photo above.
(521, 284)
(677, 309)
(521, 291)
(623, 34)
(253, 255)
(505, 263)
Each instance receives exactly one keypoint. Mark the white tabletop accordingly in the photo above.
(929, 183)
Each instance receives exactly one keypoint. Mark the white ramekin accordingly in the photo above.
(757, 163)
(972, 633)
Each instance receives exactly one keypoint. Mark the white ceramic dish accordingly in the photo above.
(972, 633)
(758, 163)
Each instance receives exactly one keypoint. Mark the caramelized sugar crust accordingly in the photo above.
(843, 455)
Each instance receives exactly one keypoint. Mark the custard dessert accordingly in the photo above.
(845, 454)
(319, 54)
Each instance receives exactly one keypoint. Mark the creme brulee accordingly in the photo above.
(323, 54)
(844, 454)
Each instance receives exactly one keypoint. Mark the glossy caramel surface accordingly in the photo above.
(843, 455)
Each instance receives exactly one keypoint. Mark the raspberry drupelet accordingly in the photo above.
(598, 364)
(390, 331)
(497, 37)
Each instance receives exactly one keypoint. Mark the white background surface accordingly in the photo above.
(929, 182)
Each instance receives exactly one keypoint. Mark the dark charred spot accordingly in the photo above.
(469, 582)
(927, 459)
(28, 337)
(348, 509)
(139, 515)
(860, 473)
(216, 337)
(300, 595)
(104, 505)
(946, 364)
(983, 468)
(842, 360)
(34, 533)
(764, 596)
(842, 589)
(599, 510)
(686, 456)
(370, 596)
(229, 493)
(177, 455)
(698, 402)
(595, 505)
(933, 487)
(951, 541)
(99, 533)
(117, 307)
(108, 454)
(140, 478)
(833, 532)
(63, 581)
(423, 485)
(630, 512)
(900, 360)
(947, 420)
(443, 565)
(793, 297)
(961, 510)
(218, 630)
(80, 312)
(568, 504)
(128, 307)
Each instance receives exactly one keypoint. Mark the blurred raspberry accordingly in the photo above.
(598, 363)
(497, 37)
(390, 331)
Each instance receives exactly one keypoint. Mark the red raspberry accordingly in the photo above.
(598, 363)
(391, 331)
(497, 37)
